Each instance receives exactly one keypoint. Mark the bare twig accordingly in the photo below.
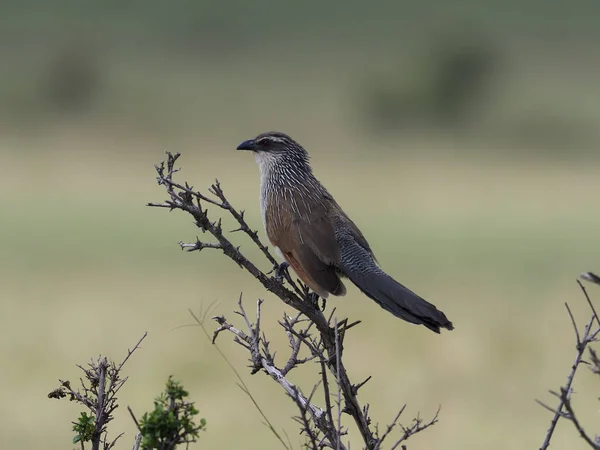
(200, 320)
(101, 415)
(304, 420)
(589, 302)
(391, 426)
(265, 361)
(137, 424)
(574, 325)
(327, 395)
(130, 352)
(99, 387)
(293, 391)
(582, 342)
(138, 441)
(338, 357)
(417, 426)
(197, 246)
(565, 397)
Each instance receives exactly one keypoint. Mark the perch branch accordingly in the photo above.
(327, 348)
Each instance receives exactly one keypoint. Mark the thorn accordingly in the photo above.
(356, 387)
(353, 324)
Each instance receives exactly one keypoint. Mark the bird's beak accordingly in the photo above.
(246, 145)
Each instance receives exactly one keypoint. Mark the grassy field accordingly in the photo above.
(87, 268)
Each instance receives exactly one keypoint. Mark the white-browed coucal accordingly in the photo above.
(318, 240)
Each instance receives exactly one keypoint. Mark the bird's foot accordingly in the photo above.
(282, 272)
(313, 297)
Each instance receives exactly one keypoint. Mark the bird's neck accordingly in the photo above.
(282, 180)
(277, 174)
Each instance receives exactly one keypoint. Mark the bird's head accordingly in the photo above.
(274, 147)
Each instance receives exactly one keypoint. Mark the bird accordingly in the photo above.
(313, 235)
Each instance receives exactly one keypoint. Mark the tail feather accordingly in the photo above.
(400, 301)
(359, 266)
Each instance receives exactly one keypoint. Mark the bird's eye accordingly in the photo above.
(263, 142)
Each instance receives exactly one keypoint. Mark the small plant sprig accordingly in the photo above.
(172, 422)
(84, 427)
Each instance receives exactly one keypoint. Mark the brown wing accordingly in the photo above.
(302, 230)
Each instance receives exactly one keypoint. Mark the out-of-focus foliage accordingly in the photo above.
(444, 86)
(72, 81)
(505, 75)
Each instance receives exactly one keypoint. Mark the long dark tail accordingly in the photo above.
(359, 266)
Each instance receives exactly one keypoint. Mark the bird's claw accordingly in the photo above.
(282, 272)
(313, 297)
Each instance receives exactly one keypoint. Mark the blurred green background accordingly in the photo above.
(462, 138)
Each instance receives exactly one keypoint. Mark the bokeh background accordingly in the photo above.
(461, 137)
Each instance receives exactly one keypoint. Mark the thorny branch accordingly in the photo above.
(325, 346)
(565, 410)
(261, 358)
(100, 384)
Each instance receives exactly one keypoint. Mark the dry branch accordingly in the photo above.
(323, 337)
(100, 385)
(564, 409)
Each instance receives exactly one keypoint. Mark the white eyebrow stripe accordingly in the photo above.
(272, 139)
